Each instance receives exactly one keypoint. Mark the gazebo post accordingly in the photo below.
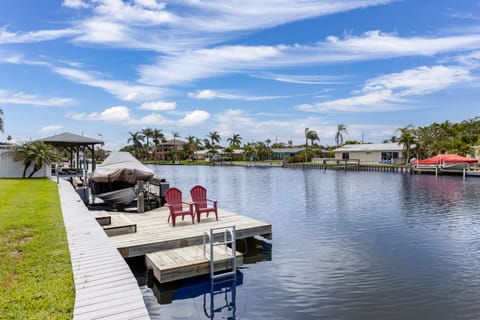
(93, 158)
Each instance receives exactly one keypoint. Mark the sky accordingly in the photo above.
(262, 69)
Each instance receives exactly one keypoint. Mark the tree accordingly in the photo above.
(311, 135)
(190, 146)
(214, 137)
(175, 135)
(136, 138)
(147, 133)
(235, 141)
(157, 138)
(1, 120)
(407, 138)
(341, 129)
(36, 153)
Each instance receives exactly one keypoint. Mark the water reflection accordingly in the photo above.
(219, 297)
(349, 245)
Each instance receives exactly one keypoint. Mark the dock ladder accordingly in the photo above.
(229, 237)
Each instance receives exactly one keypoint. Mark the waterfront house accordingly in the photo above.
(285, 153)
(371, 152)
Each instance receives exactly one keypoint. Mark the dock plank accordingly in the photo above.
(190, 262)
(154, 233)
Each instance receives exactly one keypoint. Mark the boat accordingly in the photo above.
(114, 181)
(452, 163)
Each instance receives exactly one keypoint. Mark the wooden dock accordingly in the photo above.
(181, 263)
(105, 287)
(154, 233)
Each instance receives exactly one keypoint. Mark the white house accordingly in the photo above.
(9, 168)
(371, 152)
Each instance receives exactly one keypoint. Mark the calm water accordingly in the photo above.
(345, 245)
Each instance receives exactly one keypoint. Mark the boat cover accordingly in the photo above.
(121, 167)
(446, 159)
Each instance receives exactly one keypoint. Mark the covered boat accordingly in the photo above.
(445, 161)
(115, 179)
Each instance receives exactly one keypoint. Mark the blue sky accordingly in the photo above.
(263, 69)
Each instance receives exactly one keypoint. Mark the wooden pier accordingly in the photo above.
(105, 287)
(154, 233)
(176, 264)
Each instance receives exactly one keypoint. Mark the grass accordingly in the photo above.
(35, 269)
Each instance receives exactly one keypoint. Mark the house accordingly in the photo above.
(371, 152)
(169, 146)
(284, 153)
(236, 155)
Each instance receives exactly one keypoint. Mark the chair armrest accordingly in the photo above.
(189, 203)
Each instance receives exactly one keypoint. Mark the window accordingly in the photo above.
(345, 156)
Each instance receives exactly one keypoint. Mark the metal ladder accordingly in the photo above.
(230, 230)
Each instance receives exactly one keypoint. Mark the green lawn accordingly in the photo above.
(36, 280)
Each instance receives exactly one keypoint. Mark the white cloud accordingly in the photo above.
(389, 92)
(113, 114)
(194, 118)
(8, 97)
(120, 115)
(182, 25)
(35, 36)
(159, 106)
(204, 63)
(419, 81)
(151, 119)
(302, 79)
(122, 90)
(212, 94)
(51, 128)
(75, 4)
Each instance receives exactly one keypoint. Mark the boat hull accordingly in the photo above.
(121, 196)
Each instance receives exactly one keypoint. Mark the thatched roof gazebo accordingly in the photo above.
(74, 144)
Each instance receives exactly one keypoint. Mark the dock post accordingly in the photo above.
(140, 198)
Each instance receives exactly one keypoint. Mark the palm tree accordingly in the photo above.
(207, 144)
(157, 138)
(311, 135)
(175, 135)
(147, 133)
(136, 138)
(37, 153)
(190, 146)
(235, 140)
(407, 138)
(214, 137)
(341, 129)
(1, 120)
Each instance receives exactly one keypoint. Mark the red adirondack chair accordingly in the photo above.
(200, 201)
(173, 199)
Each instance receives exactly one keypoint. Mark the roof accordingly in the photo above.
(170, 143)
(70, 139)
(288, 150)
(368, 147)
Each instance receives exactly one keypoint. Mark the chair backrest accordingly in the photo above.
(199, 196)
(173, 197)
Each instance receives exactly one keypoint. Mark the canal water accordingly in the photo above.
(346, 245)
